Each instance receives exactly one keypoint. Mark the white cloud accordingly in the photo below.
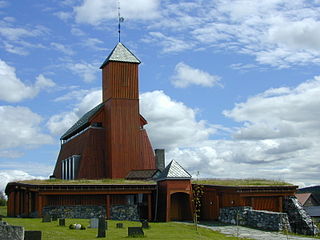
(169, 44)
(63, 15)
(3, 4)
(62, 48)
(186, 75)
(171, 123)
(12, 89)
(20, 127)
(96, 11)
(93, 44)
(15, 49)
(87, 71)
(14, 175)
(60, 123)
(279, 33)
(77, 32)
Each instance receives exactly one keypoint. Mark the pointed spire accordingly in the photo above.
(121, 54)
(174, 171)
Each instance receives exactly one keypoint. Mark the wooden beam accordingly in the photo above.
(108, 206)
(94, 192)
(39, 205)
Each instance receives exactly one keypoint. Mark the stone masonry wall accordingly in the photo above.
(299, 219)
(76, 211)
(124, 212)
(8, 232)
(265, 220)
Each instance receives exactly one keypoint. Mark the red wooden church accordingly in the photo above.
(110, 142)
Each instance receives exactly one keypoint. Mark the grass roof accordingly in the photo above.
(242, 182)
(211, 181)
(85, 182)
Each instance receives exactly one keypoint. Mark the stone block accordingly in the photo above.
(32, 235)
(46, 218)
(102, 228)
(94, 222)
(119, 225)
(8, 232)
(62, 222)
(75, 211)
(124, 212)
(135, 232)
(145, 224)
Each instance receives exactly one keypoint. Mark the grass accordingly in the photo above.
(85, 181)
(221, 182)
(241, 182)
(3, 210)
(169, 231)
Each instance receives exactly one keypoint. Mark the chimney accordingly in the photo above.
(160, 159)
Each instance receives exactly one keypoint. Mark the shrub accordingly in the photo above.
(3, 200)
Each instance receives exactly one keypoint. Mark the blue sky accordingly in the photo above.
(229, 88)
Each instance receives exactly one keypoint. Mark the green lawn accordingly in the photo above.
(170, 231)
(3, 210)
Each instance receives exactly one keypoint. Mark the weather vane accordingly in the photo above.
(120, 20)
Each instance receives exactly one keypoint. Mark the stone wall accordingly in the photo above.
(124, 212)
(8, 232)
(246, 216)
(77, 211)
(300, 221)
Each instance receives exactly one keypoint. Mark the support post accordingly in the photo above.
(108, 206)
(149, 207)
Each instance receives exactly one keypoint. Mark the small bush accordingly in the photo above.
(3, 200)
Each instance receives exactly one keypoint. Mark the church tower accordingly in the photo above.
(122, 119)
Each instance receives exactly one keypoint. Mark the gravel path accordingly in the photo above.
(244, 232)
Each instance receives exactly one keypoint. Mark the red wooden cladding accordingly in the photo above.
(90, 145)
(120, 80)
(122, 136)
(65, 200)
(147, 158)
(264, 198)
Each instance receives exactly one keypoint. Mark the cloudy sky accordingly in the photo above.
(230, 88)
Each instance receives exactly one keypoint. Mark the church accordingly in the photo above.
(107, 166)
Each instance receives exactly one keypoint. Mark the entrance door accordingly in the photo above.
(180, 207)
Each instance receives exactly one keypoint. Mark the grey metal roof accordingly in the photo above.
(121, 54)
(82, 122)
(174, 171)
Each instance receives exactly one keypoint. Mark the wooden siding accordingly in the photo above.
(27, 199)
(70, 200)
(90, 145)
(259, 198)
(123, 137)
(120, 80)
(167, 189)
(147, 157)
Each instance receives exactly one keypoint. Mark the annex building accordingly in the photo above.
(107, 166)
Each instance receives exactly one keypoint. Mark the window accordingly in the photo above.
(69, 167)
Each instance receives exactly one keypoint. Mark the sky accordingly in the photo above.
(230, 88)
